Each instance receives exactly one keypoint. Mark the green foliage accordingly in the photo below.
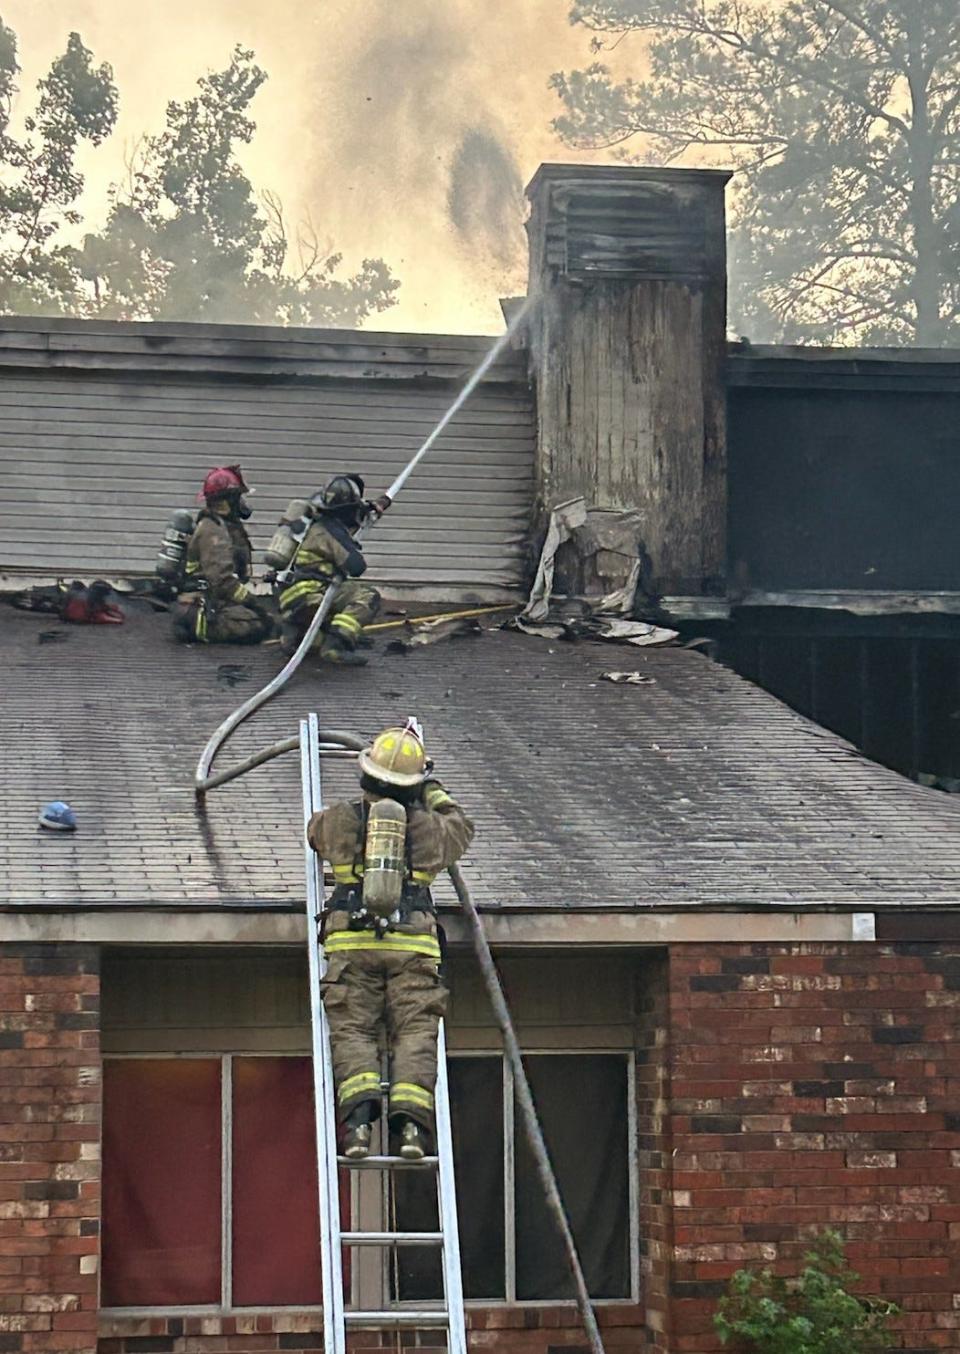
(813, 1314)
(842, 119)
(76, 102)
(185, 237)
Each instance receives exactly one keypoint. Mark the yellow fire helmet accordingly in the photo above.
(396, 757)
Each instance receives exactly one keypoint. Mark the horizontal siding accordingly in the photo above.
(92, 463)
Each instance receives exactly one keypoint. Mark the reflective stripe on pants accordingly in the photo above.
(365, 989)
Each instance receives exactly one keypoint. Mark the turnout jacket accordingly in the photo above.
(219, 554)
(328, 546)
(438, 833)
(327, 551)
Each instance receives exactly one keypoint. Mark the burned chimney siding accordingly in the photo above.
(627, 355)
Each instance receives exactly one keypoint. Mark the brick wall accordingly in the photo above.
(780, 1089)
(49, 1148)
(817, 1085)
(519, 1330)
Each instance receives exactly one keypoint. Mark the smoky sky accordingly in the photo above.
(405, 129)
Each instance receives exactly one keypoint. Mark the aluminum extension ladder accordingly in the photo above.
(337, 1318)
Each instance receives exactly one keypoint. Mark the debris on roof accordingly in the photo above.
(630, 678)
(418, 634)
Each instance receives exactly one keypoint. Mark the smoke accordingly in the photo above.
(404, 130)
(441, 113)
(485, 199)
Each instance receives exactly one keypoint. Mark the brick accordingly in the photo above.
(898, 1034)
(745, 964)
(714, 982)
(51, 1189)
(692, 1289)
(817, 1090)
(716, 1123)
(872, 1160)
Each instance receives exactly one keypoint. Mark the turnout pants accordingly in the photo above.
(355, 605)
(230, 624)
(384, 985)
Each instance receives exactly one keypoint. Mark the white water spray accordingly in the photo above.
(202, 778)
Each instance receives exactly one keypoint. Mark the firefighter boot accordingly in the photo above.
(337, 649)
(411, 1141)
(356, 1142)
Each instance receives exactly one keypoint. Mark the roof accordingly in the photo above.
(695, 789)
(908, 371)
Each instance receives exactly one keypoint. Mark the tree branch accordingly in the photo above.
(845, 10)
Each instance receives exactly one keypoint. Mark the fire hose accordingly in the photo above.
(202, 777)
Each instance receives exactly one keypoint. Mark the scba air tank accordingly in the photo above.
(384, 857)
(288, 535)
(172, 555)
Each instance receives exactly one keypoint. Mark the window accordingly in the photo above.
(509, 1248)
(161, 1182)
(210, 1183)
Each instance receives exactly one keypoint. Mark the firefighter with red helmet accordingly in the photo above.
(323, 551)
(217, 604)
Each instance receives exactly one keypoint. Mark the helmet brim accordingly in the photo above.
(405, 780)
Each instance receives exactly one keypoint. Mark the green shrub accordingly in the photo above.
(812, 1314)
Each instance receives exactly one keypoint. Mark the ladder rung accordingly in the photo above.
(433, 1319)
(392, 1238)
(387, 1163)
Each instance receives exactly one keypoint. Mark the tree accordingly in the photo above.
(842, 119)
(77, 101)
(763, 1313)
(186, 238)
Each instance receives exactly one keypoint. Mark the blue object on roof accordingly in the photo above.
(58, 816)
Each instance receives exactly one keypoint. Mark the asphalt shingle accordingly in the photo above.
(695, 789)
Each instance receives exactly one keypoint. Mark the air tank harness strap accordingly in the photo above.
(310, 586)
(347, 896)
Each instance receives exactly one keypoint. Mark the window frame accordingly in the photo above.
(225, 1307)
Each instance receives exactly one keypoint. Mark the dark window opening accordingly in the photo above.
(582, 1104)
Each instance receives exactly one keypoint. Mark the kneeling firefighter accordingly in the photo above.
(218, 606)
(381, 939)
(313, 549)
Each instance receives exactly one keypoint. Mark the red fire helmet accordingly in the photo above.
(223, 479)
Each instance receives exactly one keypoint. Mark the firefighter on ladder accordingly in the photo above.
(315, 548)
(217, 604)
(380, 936)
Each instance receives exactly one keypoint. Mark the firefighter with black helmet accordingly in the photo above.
(380, 936)
(217, 604)
(315, 548)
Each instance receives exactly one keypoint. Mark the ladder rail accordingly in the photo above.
(331, 1260)
(447, 1205)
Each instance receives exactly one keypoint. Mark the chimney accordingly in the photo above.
(627, 352)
